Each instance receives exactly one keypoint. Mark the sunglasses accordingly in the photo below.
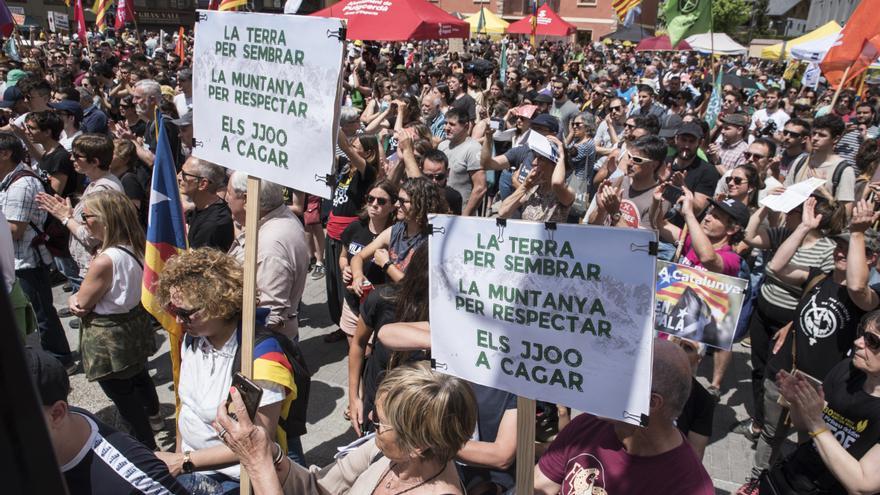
(736, 180)
(872, 340)
(629, 126)
(377, 200)
(638, 159)
(577, 124)
(615, 108)
(436, 177)
(184, 315)
(748, 155)
(793, 134)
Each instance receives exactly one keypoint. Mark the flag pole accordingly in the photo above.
(840, 86)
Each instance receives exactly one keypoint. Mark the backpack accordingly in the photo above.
(53, 234)
(835, 176)
(295, 423)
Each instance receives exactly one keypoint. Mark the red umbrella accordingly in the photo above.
(396, 20)
(549, 24)
(661, 44)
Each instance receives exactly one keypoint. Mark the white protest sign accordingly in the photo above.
(793, 196)
(563, 315)
(266, 95)
(57, 21)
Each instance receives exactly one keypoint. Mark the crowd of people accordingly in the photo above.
(593, 134)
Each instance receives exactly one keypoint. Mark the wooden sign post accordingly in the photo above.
(249, 304)
(525, 446)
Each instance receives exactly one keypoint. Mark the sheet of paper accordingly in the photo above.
(793, 195)
(504, 135)
(542, 146)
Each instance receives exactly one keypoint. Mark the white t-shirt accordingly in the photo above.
(205, 378)
(779, 116)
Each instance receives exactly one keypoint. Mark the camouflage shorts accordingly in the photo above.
(116, 346)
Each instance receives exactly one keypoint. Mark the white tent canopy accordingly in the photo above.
(815, 50)
(719, 43)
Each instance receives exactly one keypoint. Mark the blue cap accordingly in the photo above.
(546, 121)
(69, 106)
(11, 96)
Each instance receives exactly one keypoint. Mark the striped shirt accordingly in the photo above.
(820, 255)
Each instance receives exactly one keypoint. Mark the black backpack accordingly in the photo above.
(835, 176)
(295, 423)
(53, 234)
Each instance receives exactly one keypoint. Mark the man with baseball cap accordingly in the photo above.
(94, 458)
(727, 152)
(520, 157)
(691, 170)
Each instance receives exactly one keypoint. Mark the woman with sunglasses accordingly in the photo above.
(825, 321)
(743, 184)
(840, 419)
(203, 290)
(116, 337)
(394, 247)
(130, 118)
(377, 215)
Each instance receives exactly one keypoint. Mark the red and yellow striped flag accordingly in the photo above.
(100, 9)
(622, 7)
(232, 4)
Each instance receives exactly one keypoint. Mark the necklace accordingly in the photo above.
(388, 483)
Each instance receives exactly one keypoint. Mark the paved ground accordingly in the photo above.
(728, 457)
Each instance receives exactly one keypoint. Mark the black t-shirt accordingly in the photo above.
(210, 227)
(112, 462)
(139, 128)
(852, 415)
(351, 191)
(491, 406)
(698, 412)
(137, 190)
(173, 140)
(355, 237)
(700, 176)
(378, 309)
(58, 161)
(824, 328)
(453, 199)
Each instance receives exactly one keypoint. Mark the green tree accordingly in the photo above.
(729, 15)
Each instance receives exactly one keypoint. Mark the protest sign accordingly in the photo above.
(18, 15)
(57, 21)
(266, 95)
(698, 305)
(561, 314)
(793, 196)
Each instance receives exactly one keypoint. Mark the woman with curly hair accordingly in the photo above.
(203, 289)
(393, 249)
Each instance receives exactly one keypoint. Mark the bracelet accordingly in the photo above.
(814, 434)
(64, 222)
(279, 455)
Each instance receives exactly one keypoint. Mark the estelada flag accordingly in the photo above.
(100, 9)
(166, 237)
(232, 4)
(854, 45)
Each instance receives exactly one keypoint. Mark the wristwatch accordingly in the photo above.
(386, 266)
(187, 466)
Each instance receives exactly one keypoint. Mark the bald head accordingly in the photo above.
(671, 376)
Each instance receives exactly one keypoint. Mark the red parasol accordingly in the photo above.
(396, 20)
(661, 44)
(549, 24)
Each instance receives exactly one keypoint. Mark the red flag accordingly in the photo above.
(80, 18)
(214, 5)
(180, 47)
(123, 14)
(863, 24)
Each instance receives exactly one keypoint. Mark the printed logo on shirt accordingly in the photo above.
(822, 319)
(340, 196)
(846, 431)
(629, 214)
(355, 248)
(585, 475)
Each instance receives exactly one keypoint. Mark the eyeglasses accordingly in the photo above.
(184, 315)
(403, 201)
(380, 427)
(379, 201)
(436, 177)
(85, 217)
(185, 175)
(748, 155)
(736, 180)
(638, 159)
(872, 340)
(793, 134)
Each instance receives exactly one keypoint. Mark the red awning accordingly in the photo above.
(396, 20)
(660, 44)
(549, 24)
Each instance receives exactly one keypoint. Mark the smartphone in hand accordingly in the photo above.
(250, 392)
